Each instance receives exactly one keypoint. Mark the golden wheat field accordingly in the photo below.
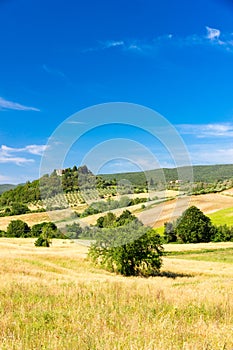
(54, 298)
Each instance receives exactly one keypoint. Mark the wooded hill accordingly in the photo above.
(201, 173)
(82, 179)
(6, 187)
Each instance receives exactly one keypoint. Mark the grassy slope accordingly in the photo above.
(52, 298)
(223, 216)
(220, 217)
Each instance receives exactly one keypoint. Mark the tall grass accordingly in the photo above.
(53, 298)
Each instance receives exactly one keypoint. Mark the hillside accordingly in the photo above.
(6, 187)
(201, 173)
(79, 185)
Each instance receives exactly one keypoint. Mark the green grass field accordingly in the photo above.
(224, 255)
(221, 217)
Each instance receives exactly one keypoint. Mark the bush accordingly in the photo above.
(222, 233)
(2, 233)
(73, 231)
(18, 228)
(44, 239)
(131, 250)
(19, 208)
(169, 232)
(42, 242)
(37, 230)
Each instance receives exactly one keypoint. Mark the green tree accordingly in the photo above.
(100, 222)
(19, 208)
(125, 218)
(74, 230)
(2, 233)
(193, 226)
(169, 232)
(38, 228)
(44, 240)
(18, 228)
(130, 250)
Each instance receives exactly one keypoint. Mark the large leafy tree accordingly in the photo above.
(193, 226)
(18, 228)
(130, 250)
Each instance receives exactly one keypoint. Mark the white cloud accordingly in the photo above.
(207, 130)
(211, 154)
(32, 149)
(212, 33)
(7, 154)
(213, 36)
(4, 178)
(113, 43)
(5, 104)
(14, 160)
(36, 149)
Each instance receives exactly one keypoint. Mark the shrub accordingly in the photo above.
(44, 239)
(222, 233)
(37, 230)
(73, 231)
(42, 242)
(130, 250)
(169, 232)
(18, 228)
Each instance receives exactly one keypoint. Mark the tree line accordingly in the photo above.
(193, 226)
(122, 244)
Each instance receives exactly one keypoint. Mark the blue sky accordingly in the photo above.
(59, 57)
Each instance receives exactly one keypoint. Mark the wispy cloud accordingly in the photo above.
(37, 150)
(4, 178)
(210, 37)
(6, 104)
(53, 71)
(124, 45)
(223, 40)
(212, 33)
(211, 153)
(8, 154)
(207, 130)
(112, 43)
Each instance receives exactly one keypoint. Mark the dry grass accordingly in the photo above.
(30, 219)
(36, 218)
(53, 298)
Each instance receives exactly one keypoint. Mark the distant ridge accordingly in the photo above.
(201, 173)
(6, 187)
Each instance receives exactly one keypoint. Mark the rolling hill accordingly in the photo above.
(76, 183)
(6, 187)
(201, 173)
